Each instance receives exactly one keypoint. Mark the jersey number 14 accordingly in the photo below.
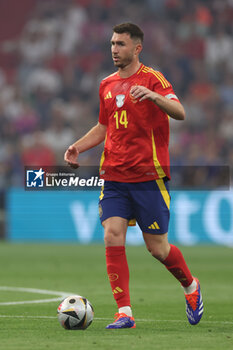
(121, 119)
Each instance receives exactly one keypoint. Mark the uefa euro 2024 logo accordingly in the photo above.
(35, 178)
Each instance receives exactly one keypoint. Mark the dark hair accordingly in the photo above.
(132, 29)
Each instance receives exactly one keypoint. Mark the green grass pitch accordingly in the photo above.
(157, 299)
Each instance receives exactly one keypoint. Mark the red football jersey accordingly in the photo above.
(136, 144)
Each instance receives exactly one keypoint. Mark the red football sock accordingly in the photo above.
(118, 274)
(176, 264)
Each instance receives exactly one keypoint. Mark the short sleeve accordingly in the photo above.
(162, 86)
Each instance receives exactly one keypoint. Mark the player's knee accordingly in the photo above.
(113, 237)
(158, 252)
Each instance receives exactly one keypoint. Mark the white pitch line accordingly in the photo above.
(110, 319)
(60, 295)
(34, 317)
(39, 301)
(33, 290)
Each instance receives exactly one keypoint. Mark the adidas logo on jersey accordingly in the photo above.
(154, 226)
(109, 95)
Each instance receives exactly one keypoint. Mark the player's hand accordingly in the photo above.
(71, 156)
(142, 93)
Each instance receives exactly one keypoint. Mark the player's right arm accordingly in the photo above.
(91, 139)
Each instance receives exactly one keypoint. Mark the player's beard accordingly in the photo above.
(124, 62)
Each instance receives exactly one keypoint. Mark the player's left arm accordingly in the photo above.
(171, 107)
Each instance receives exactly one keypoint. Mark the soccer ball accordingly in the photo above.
(75, 312)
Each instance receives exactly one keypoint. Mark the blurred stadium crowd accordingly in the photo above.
(49, 81)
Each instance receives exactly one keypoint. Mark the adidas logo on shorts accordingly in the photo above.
(154, 226)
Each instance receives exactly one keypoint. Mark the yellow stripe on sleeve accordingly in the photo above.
(167, 84)
(158, 75)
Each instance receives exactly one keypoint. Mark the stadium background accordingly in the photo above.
(53, 55)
